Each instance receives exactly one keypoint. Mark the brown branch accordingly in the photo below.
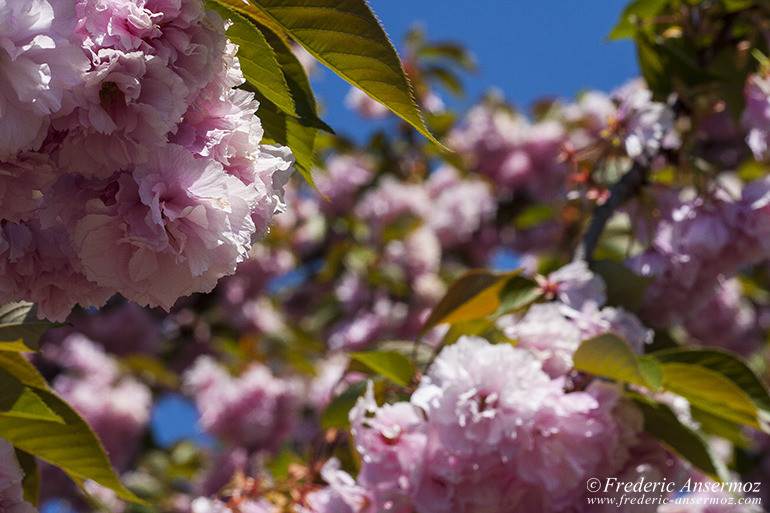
(623, 190)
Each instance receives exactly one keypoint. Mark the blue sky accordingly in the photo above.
(527, 48)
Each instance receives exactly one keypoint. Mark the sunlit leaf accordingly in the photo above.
(31, 481)
(257, 58)
(336, 413)
(661, 423)
(726, 364)
(288, 131)
(610, 356)
(718, 426)
(474, 295)
(297, 80)
(20, 401)
(345, 36)
(20, 367)
(73, 447)
(712, 392)
(634, 13)
(517, 293)
(20, 329)
(419, 354)
(389, 364)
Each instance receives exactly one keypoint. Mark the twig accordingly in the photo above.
(624, 189)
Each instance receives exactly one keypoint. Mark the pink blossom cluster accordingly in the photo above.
(206, 505)
(122, 329)
(366, 106)
(340, 179)
(242, 295)
(544, 164)
(525, 159)
(486, 430)
(255, 410)
(553, 331)
(517, 156)
(129, 162)
(116, 406)
(696, 244)
(756, 115)
(413, 229)
(727, 320)
(645, 127)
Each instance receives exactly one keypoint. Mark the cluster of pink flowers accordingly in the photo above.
(407, 232)
(205, 505)
(129, 162)
(523, 158)
(553, 331)
(256, 410)
(365, 105)
(727, 320)
(756, 116)
(116, 406)
(698, 243)
(486, 430)
(517, 156)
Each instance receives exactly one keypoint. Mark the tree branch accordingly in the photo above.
(624, 189)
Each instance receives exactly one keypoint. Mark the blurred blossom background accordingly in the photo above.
(253, 398)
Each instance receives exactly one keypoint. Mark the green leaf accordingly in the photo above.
(257, 58)
(632, 14)
(652, 372)
(20, 401)
(24, 371)
(610, 356)
(288, 131)
(474, 295)
(660, 422)
(670, 64)
(737, 5)
(517, 293)
(713, 425)
(20, 329)
(446, 78)
(153, 371)
(281, 463)
(712, 392)
(452, 52)
(31, 481)
(725, 364)
(389, 364)
(419, 354)
(245, 8)
(296, 78)
(345, 36)
(484, 328)
(624, 287)
(533, 216)
(72, 446)
(652, 65)
(336, 413)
